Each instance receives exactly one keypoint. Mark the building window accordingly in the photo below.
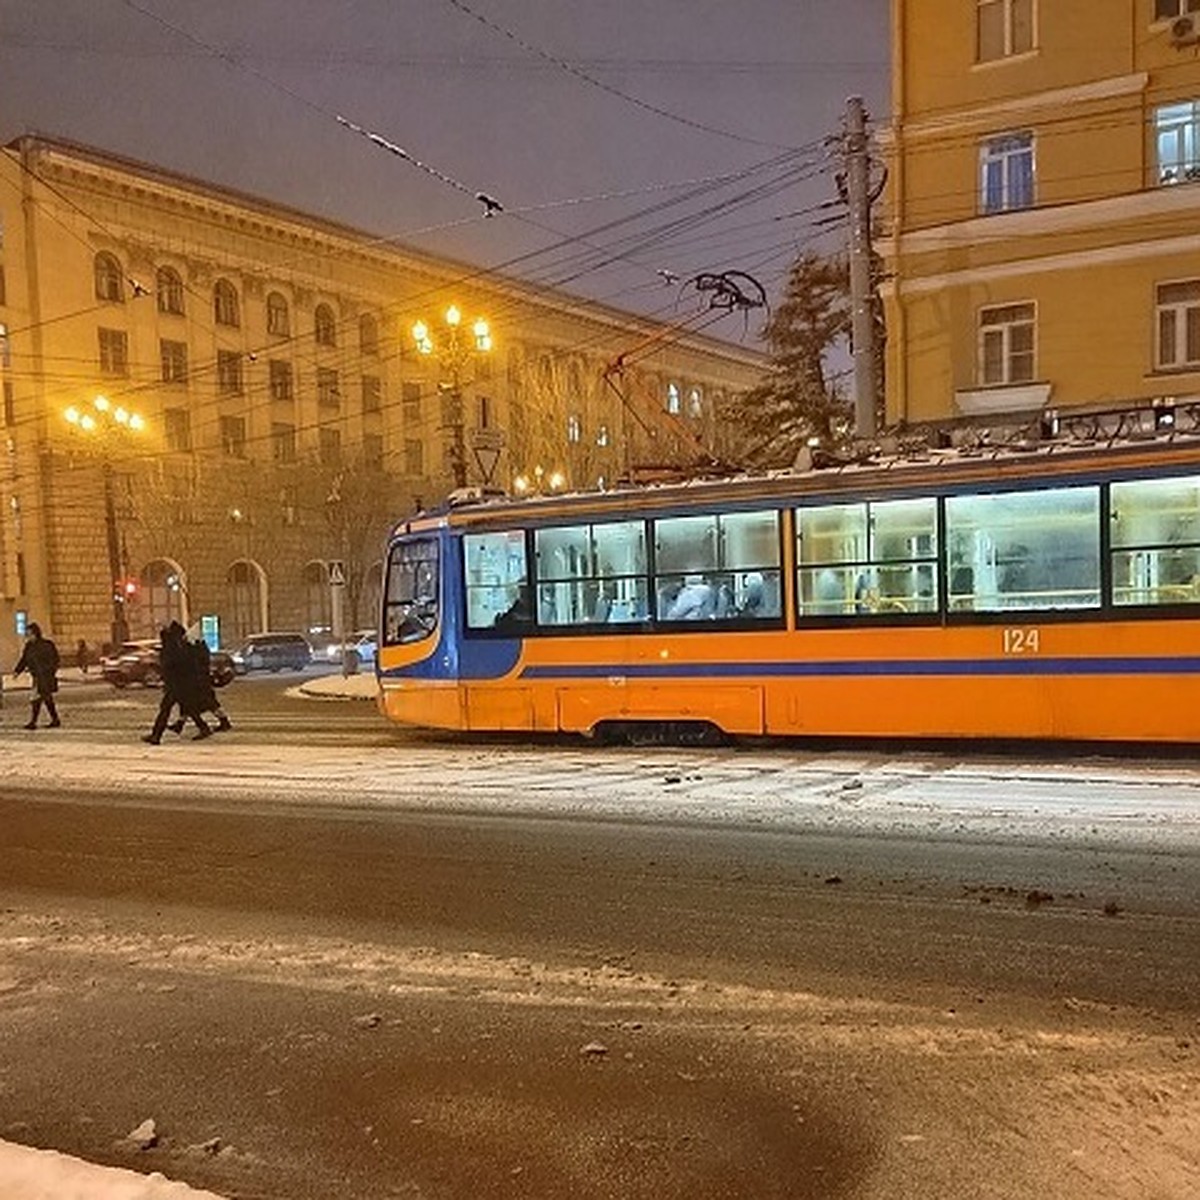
(114, 352)
(373, 451)
(1177, 142)
(695, 403)
(229, 373)
(279, 322)
(368, 334)
(602, 436)
(672, 403)
(372, 394)
(324, 327)
(1168, 10)
(225, 304)
(1004, 28)
(328, 395)
(1006, 173)
(414, 457)
(1178, 321)
(1006, 344)
(3, 289)
(280, 376)
(483, 411)
(233, 436)
(168, 291)
(174, 361)
(574, 428)
(110, 283)
(410, 401)
(177, 429)
(329, 446)
(283, 442)
(10, 405)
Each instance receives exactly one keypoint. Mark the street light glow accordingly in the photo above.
(453, 315)
(101, 403)
(72, 415)
(136, 423)
(121, 417)
(87, 422)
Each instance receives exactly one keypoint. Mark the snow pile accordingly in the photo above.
(29, 1174)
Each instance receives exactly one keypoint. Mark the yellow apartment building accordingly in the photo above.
(1043, 210)
(215, 406)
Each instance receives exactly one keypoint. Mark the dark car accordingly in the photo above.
(137, 662)
(273, 652)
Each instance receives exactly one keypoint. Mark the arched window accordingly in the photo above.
(324, 326)
(314, 583)
(672, 401)
(368, 334)
(168, 287)
(110, 283)
(279, 321)
(695, 403)
(225, 304)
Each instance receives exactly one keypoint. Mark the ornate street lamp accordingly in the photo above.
(454, 351)
(103, 423)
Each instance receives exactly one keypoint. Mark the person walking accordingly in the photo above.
(81, 656)
(206, 693)
(178, 668)
(40, 659)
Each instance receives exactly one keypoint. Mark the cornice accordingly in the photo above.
(977, 117)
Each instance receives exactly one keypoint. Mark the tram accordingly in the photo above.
(1047, 593)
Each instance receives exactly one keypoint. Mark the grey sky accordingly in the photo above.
(246, 93)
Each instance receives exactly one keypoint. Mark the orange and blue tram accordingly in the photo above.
(1052, 593)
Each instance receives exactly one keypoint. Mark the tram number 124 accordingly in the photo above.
(1022, 641)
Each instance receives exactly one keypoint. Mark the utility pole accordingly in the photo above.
(862, 292)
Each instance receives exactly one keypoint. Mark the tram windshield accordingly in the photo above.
(410, 603)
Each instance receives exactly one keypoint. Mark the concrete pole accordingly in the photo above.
(862, 293)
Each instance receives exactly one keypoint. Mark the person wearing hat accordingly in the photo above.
(40, 659)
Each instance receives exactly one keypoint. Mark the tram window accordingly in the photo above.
(497, 580)
(721, 567)
(592, 574)
(1024, 550)
(410, 603)
(870, 558)
(1154, 529)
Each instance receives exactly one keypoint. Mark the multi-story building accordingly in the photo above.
(210, 398)
(1044, 201)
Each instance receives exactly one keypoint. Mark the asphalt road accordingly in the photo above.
(319, 1001)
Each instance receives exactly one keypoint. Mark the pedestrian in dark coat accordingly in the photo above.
(177, 665)
(40, 659)
(206, 694)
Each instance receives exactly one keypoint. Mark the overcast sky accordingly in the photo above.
(549, 106)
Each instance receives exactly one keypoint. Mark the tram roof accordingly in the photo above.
(931, 470)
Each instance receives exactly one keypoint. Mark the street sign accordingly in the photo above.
(337, 573)
(490, 439)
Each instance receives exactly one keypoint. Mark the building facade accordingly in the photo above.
(1042, 209)
(212, 403)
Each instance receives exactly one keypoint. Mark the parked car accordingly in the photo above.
(137, 663)
(272, 652)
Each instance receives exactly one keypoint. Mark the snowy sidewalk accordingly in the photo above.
(29, 1174)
